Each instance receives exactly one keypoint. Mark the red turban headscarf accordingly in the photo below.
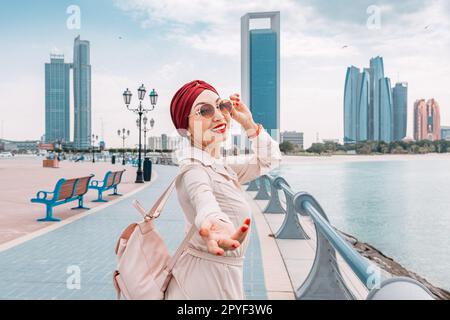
(182, 101)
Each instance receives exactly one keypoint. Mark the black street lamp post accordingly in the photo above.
(140, 110)
(123, 134)
(94, 138)
(146, 129)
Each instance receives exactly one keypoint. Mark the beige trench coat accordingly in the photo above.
(213, 189)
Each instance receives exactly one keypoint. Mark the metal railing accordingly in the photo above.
(325, 280)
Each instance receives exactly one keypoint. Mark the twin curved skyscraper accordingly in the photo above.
(372, 109)
(57, 97)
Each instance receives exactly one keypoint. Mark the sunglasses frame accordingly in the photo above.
(198, 112)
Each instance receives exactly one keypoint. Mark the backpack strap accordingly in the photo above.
(157, 208)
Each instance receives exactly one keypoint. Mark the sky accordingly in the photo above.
(165, 44)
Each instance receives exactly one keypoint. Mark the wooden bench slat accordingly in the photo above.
(66, 189)
(82, 186)
(118, 177)
(110, 180)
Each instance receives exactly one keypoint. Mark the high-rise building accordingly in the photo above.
(400, 103)
(260, 70)
(82, 93)
(386, 112)
(356, 104)
(368, 105)
(445, 133)
(236, 141)
(57, 100)
(376, 71)
(164, 142)
(293, 137)
(154, 143)
(427, 120)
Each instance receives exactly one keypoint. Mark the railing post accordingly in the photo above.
(274, 205)
(262, 192)
(253, 186)
(291, 227)
(324, 280)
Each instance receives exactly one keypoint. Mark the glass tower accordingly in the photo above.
(263, 77)
(260, 70)
(376, 76)
(350, 104)
(356, 105)
(82, 93)
(400, 103)
(386, 112)
(57, 100)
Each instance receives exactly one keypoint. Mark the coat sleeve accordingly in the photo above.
(198, 186)
(266, 157)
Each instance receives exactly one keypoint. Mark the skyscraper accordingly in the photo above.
(57, 100)
(260, 70)
(386, 112)
(82, 93)
(400, 103)
(376, 71)
(445, 133)
(427, 120)
(356, 104)
(368, 105)
(293, 137)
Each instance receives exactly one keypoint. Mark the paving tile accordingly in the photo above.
(37, 269)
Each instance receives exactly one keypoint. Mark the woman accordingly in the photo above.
(210, 193)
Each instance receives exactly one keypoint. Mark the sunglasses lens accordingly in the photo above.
(207, 111)
(226, 106)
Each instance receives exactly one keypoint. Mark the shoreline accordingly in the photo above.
(389, 265)
(299, 159)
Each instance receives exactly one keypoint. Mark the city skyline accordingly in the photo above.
(145, 40)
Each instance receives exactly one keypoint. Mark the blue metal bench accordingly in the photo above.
(111, 181)
(65, 191)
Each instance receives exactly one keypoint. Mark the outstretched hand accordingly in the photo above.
(220, 235)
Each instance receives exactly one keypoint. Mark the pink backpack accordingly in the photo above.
(144, 265)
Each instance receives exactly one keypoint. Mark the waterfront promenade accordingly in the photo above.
(74, 259)
(39, 263)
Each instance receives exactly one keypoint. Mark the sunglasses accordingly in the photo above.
(208, 111)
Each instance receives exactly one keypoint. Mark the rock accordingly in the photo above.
(392, 267)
